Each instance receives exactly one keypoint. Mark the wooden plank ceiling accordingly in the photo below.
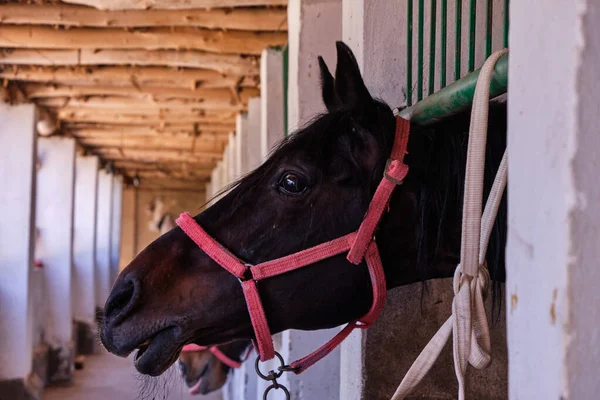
(150, 86)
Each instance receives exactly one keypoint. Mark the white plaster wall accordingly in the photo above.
(232, 157)
(271, 95)
(84, 238)
(17, 179)
(54, 220)
(115, 236)
(241, 150)
(103, 236)
(552, 254)
(313, 28)
(254, 126)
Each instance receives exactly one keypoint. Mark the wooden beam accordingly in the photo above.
(170, 166)
(144, 142)
(216, 95)
(229, 64)
(250, 19)
(129, 77)
(173, 4)
(119, 116)
(217, 132)
(227, 42)
(159, 156)
(183, 176)
(139, 105)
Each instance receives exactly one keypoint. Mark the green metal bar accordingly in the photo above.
(286, 65)
(456, 96)
(409, 48)
(488, 28)
(472, 22)
(432, 32)
(457, 39)
(444, 16)
(506, 19)
(420, 50)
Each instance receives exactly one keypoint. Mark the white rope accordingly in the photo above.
(468, 322)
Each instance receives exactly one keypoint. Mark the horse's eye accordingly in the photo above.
(292, 184)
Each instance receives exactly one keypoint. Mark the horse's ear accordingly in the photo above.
(349, 84)
(330, 97)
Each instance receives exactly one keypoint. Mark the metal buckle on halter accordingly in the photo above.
(272, 376)
(388, 176)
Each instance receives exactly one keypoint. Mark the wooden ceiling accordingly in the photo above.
(150, 86)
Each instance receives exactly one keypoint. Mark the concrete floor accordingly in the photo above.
(106, 377)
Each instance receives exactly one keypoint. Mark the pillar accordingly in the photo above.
(54, 221)
(271, 95)
(313, 27)
(17, 179)
(84, 251)
(253, 146)
(127, 228)
(552, 301)
(241, 149)
(103, 236)
(231, 156)
(115, 240)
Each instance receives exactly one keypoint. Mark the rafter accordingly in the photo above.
(229, 64)
(143, 142)
(226, 42)
(252, 19)
(119, 116)
(129, 77)
(216, 95)
(159, 156)
(173, 4)
(139, 105)
(204, 131)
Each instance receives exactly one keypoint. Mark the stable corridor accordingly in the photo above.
(106, 377)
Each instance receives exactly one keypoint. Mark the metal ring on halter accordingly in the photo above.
(277, 386)
(272, 374)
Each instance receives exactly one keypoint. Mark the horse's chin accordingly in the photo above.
(158, 355)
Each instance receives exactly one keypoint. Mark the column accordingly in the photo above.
(313, 26)
(116, 213)
(54, 221)
(271, 95)
(552, 300)
(84, 251)
(231, 156)
(17, 202)
(103, 237)
(241, 149)
(127, 227)
(253, 146)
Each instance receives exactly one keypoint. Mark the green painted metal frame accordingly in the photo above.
(286, 64)
(457, 96)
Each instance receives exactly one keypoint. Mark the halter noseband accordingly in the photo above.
(359, 245)
(230, 362)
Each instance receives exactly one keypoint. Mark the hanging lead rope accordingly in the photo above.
(468, 322)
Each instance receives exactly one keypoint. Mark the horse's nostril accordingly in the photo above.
(121, 299)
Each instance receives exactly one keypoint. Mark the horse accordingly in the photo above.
(161, 221)
(315, 186)
(205, 371)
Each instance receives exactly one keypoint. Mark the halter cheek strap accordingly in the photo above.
(359, 245)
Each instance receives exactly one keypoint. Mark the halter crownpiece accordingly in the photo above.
(360, 246)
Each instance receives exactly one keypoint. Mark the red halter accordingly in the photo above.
(360, 245)
(218, 353)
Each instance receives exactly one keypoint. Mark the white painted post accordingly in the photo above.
(225, 165)
(17, 180)
(271, 95)
(116, 213)
(553, 305)
(313, 27)
(54, 221)
(83, 290)
(253, 146)
(232, 159)
(84, 238)
(103, 237)
(241, 150)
